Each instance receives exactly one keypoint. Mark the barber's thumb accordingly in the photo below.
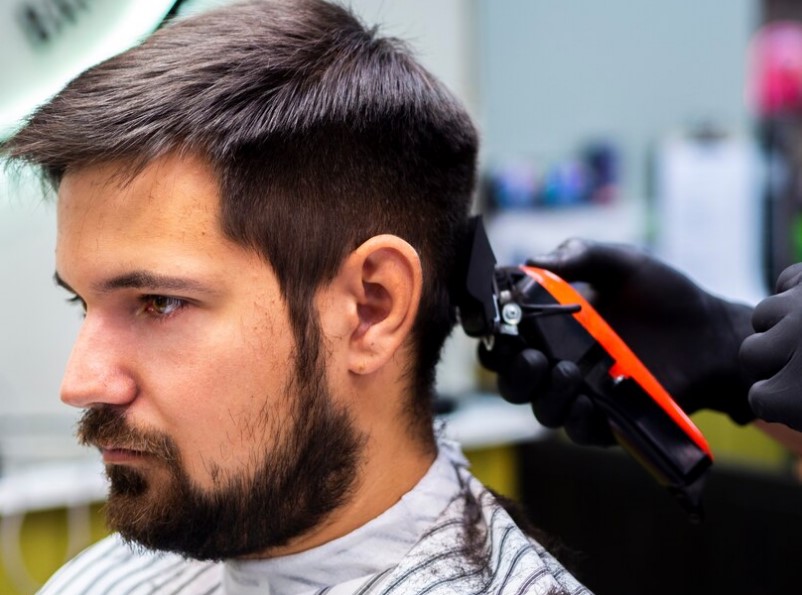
(525, 374)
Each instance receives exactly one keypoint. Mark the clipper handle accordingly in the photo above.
(643, 417)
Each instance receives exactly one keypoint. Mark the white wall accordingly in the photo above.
(37, 325)
(440, 32)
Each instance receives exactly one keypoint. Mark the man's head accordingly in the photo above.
(278, 144)
(321, 134)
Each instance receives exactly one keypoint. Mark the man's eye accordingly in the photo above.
(161, 306)
(77, 300)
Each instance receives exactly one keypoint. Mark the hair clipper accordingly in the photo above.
(546, 313)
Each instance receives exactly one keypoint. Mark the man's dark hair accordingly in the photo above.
(321, 133)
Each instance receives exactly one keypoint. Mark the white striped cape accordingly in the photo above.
(511, 563)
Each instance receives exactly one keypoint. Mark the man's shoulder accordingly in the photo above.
(113, 566)
(476, 546)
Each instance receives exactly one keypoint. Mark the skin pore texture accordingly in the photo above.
(216, 444)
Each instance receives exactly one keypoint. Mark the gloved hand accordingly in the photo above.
(774, 353)
(688, 338)
(526, 376)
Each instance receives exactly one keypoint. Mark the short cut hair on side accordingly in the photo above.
(321, 133)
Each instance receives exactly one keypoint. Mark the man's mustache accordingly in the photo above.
(106, 427)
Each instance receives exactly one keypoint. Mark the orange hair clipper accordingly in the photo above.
(542, 311)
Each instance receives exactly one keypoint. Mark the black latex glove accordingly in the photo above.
(526, 376)
(688, 338)
(774, 353)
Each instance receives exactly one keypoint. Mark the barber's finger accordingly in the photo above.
(553, 403)
(773, 309)
(790, 277)
(587, 424)
(763, 354)
(524, 375)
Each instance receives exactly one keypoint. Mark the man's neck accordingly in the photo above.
(392, 463)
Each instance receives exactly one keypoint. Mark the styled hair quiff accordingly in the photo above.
(322, 134)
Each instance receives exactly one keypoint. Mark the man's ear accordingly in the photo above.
(382, 281)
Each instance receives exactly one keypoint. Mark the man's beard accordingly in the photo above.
(309, 472)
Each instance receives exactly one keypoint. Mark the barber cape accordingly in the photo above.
(418, 546)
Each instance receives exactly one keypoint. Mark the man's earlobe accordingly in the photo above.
(387, 281)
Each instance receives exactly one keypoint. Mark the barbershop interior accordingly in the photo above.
(673, 127)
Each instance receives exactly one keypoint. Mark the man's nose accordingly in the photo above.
(97, 371)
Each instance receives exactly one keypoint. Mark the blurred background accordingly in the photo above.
(672, 125)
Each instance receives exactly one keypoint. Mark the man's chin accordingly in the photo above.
(126, 481)
(144, 507)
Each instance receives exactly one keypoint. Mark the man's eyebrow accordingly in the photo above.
(143, 280)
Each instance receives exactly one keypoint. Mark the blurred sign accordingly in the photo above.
(43, 20)
(45, 43)
(708, 211)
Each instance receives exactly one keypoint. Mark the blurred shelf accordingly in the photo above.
(519, 234)
(486, 420)
(45, 486)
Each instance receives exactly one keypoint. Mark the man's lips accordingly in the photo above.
(115, 455)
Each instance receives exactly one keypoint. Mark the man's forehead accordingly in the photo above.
(172, 186)
(121, 174)
(165, 218)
